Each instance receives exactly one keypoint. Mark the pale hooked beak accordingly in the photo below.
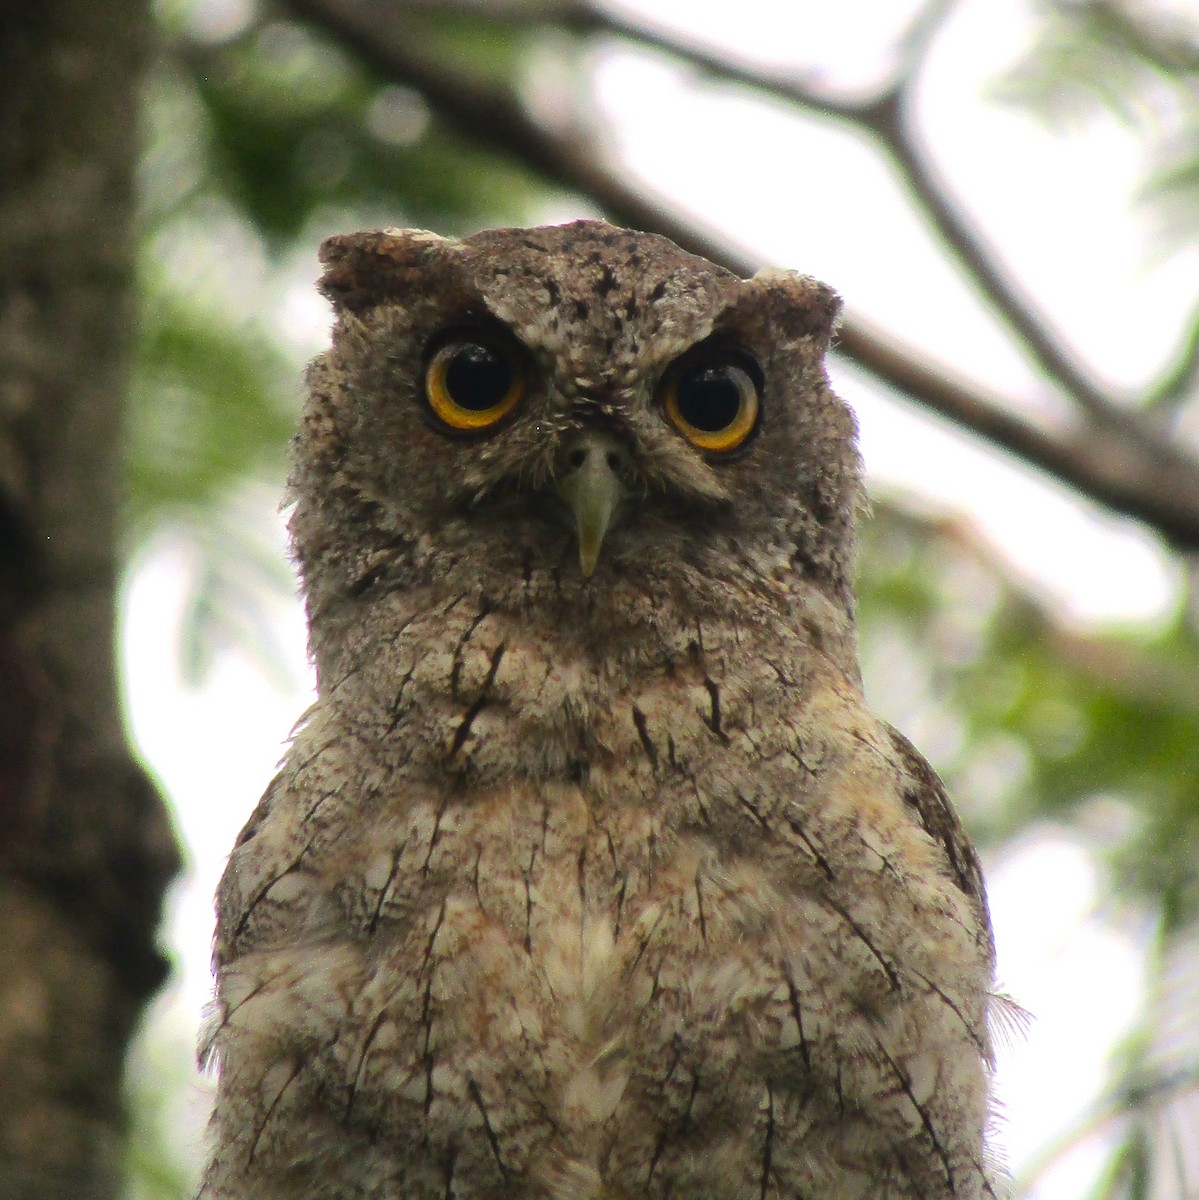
(589, 481)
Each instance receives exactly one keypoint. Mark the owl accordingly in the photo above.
(589, 875)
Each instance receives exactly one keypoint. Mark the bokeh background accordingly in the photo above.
(1005, 192)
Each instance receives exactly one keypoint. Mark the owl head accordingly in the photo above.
(575, 417)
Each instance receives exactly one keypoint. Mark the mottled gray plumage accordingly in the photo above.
(590, 888)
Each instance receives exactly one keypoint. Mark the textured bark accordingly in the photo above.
(85, 846)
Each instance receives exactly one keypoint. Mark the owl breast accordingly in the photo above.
(554, 921)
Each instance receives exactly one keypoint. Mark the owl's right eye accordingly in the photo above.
(473, 383)
(711, 396)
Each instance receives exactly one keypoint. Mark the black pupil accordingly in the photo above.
(477, 377)
(709, 398)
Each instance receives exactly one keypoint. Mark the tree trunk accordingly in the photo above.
(86, 850)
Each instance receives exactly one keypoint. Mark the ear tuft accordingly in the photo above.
(802, 306)
(364, 269)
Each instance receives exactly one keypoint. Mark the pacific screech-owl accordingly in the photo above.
(589, 875)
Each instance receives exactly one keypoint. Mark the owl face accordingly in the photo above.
(576, 411)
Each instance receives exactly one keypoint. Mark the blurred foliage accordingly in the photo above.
(1032, 723)
(261, 143)
(208, 407)
(160, 1088)
(262, 139)
(1137, 61)
(259, 146)
(295, 126)
(1048, 725)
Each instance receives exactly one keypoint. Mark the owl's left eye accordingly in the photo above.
(712, 399)
(473, 383)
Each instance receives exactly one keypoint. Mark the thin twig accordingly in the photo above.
(583, 17)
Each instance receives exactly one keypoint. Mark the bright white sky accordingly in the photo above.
(1061, 209)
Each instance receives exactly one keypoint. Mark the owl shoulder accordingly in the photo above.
(927, 802)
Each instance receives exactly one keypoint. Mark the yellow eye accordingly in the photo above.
(472, 384)
(712, 401)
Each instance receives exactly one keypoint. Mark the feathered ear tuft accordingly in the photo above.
(801, 306)
(364, 269)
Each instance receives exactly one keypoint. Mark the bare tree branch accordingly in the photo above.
(887, 117)
(1161, 490)
(580, 16)
(914, 44)
(1156, 484)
